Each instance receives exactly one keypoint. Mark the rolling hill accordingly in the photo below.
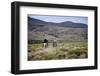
(69, 31)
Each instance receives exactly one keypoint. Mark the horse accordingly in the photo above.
(54, 43)
(45, 43)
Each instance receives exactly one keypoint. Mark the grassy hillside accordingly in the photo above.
(59, 33)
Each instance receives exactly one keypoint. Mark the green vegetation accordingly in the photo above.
(64, 50)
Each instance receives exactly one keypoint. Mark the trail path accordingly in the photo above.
(46, 50)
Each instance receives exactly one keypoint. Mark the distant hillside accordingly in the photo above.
(73, 25)
(70, 31)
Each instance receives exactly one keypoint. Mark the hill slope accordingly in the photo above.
(70, 31)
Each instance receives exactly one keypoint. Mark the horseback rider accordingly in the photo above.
(45, 43)
(54, 43)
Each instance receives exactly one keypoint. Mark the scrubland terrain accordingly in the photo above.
(71, 40)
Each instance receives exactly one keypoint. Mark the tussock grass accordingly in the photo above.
(64, 50)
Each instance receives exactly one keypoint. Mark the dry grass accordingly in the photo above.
(64, 50)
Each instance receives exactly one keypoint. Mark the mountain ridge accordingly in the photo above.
(34, 21)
